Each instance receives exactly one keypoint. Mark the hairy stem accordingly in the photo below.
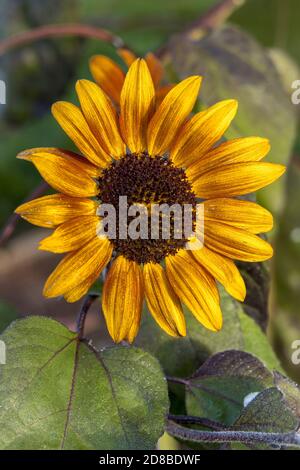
(208, 423)
(246, 437)
(87, 303)
(177, 380)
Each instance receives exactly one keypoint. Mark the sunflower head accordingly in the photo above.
(135, 145)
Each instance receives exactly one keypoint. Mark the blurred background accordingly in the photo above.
(253, 56)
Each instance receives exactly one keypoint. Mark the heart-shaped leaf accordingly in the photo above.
(57, 392)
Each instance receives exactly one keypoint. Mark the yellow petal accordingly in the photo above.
(246, 215)
(137, 106)
(162, 92)
(171, 114)
(64, 171)
(128, 56)
(79, 270)
(108, 75)
(222, 269)
(155, 67)
(71, 235)
(123, 298)
(242, 150)
(77, 292)
(162, 302)
(50, 211)
(101, 117)
(134, 329)
(235, 243)
(196, 288)
(92, 170)
(236, 179)
(72, 121)
(201, 132)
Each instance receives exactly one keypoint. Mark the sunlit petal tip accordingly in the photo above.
(241, 293)
(246, 215)
(218, 322)
(236, 179)
(18, 210)
(238, 289)
(232, 103)
(77, 271)
(137, 105)
(265, 142)
(24, 155)
(200, 133)
(223, 270)
(236, 243)
(280, 169)
(171, 114)
(196, 288)
(55, 107)
(101, 117)
(163, 303)
(122, 299)
(73, 122)
(71, 235)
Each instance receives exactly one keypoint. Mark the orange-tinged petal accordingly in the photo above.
(246, 215)
(236, 179)
(51, 211)
(196, 288)
(235, 243)
(72, 121)
(77, 292)
(79, 270)
(156, 68)
(201, 132)
(162, 92)
(171, 114)
(223, 269)
(122, 299)
(92, 170)
(162, 302)
(128, 56)
(71, 235)
(241, 150)
(101, 117)
(64, 171)
(137, 106)
(108, 75)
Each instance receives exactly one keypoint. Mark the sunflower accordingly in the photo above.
(110, 76)
(151, 155)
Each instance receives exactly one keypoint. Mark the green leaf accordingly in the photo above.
(57, 392)
(234, 65)
(219, 387)
(267, 412)
(290, 391)
(182, 356)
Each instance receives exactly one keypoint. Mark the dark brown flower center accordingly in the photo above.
(148, 181)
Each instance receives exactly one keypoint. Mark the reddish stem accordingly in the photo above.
(82, 30)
